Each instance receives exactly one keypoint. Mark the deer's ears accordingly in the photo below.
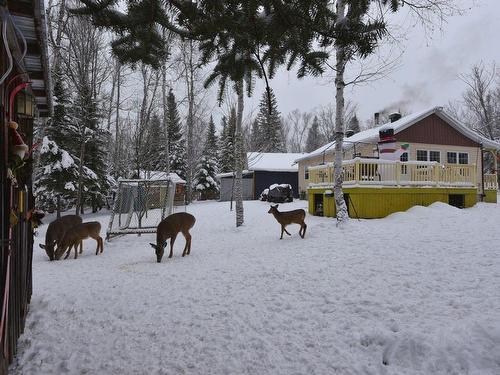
(275, 206)
(42, 246)
(153, 245)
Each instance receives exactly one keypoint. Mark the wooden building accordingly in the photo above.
(24, 96)
(444, 161)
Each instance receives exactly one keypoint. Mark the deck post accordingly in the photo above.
(398, 172)
(437, 169)
(356, 171)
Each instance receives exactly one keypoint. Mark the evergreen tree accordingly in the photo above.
(270, 128)
(354, 124)
(314, 139)
(93, 142)
(205, 180)
(56, 176)
(155, 145)
(257, 137)
(177, 149)
(226, 160)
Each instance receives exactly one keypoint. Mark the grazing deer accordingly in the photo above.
(75, 237)
(169, 228)
(289, 217)
(56, 231)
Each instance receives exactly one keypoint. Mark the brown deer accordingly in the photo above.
(75, 237)
(170, 228)
(289, 217)
(56, 231)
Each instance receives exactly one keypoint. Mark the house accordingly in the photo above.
(414, 160)
(25, 95)
(264, 169)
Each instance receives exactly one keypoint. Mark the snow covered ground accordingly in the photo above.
(415, 293)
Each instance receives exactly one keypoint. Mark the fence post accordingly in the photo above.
(398, 172)
(437, 169)
(356, 171)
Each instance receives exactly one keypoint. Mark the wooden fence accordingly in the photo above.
(16, 248)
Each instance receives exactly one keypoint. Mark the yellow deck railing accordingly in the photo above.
(395, 173)
(490, 182)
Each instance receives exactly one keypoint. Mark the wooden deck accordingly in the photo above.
(375, 172)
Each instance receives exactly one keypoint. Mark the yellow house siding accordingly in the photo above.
(371, 203)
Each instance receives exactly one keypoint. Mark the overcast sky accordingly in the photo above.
(427, 73)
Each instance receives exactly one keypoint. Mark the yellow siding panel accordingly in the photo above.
(490, 196)
(370, 203)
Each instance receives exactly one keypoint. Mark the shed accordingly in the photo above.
(264, 169)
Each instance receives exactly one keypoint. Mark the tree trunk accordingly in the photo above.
(238, 150)
(165, 113)
(340, 204)
(189, 75)
(117, 122)
(79, 204)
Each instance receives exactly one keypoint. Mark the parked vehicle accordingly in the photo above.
(277, 193)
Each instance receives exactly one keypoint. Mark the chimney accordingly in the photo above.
(376, 116)
(394, 116)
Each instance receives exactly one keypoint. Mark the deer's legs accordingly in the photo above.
(286, 231)
(282, 229)
(76, 249)
(303, 227)
(68, 252)
(172, 240)
(98, 245)
(187, 248)
(101, 241)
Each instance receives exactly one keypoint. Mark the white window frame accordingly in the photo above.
(429, 155)
(426, 153)
(452, 152)
(457, 155)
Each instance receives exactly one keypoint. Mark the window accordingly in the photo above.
(306, 173)
(457, 157)
(404, 168)
(435, 156)
(451, 157)
(422, 155)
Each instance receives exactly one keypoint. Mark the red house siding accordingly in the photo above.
(434, 130)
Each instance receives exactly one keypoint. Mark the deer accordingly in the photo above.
(56, 231)
(289, 217)
(75, 237)
(170, 228)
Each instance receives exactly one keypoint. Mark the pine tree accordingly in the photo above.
(314, 139)
(177, 149)
(155, 145)
(270, 128)
(56, 176)
(205, 181)
(93, 141)
(353, 125)
(226, 160)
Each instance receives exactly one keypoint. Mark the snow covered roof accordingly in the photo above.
(231, 174)
(158, 175)
(372, 135)
(273, 161)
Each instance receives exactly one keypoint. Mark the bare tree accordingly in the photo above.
(298, 123)
(481, 99)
